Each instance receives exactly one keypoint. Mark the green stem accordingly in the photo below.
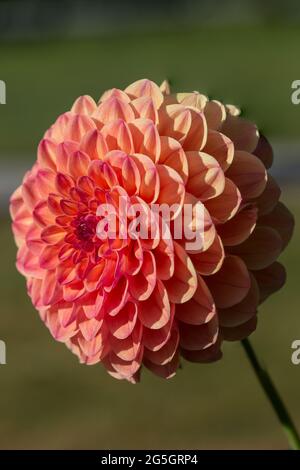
(274, 397)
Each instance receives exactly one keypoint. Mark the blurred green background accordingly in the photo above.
(250, 58)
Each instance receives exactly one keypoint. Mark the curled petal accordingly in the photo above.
(182, 286)
(175, 121)
(111, 109)
(171, 188)
(146, 138)
(225, 206)
(270, 280)
(269, 197)
(231, 283)
(154, 313)
(166, 371)
(200, 308)
(243, 311)
(282, 221)
(142, 284)
(211, 354)
(78, 164)
(261, 249)
(215, 114)
(164, 259)
(166, 353)
(238, 229)
(94, 144)
(172, 155)
(208, 262)
(248, 173)
(121, 325)
(118, 136)
(206, 178)
(196, 136)
(84, 105)
(220, 147)
(243, 133)
(127, 369)
(197, 337)
(128, 348)
(264, 151)
(240, 332)
(146, 88)
(116, 93)
(150, 183)
(195, 99)
(144, 107)
(47, 154)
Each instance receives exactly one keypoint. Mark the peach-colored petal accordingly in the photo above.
(175, 121)
(220, 147)
(166, 353)
(111, 109)
(121, 325)
(165, 87)
(47, 153)
(195, 99)
(226, 205)
(182, 286)
(200, 308)
(154, 312)
(144, 107)
(172, 155)
(206, 178)
(84, 105)
(215, 114)
(94, 144)
(150, 183)
(145, 88)
(146, 138)
(164, 259)
(248, 173)
(118, 136)
(208, 262)
(128, 348)
(196, 136)
(171, 188)
(142, 284)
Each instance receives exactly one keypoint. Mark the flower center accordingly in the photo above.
(85, 227)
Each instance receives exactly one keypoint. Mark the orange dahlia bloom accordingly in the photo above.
(128, 302)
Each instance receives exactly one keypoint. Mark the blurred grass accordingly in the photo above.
(48, 400)
(253, 67)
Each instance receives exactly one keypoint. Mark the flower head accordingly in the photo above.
(141, 294)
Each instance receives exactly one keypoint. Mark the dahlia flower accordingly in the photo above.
(128, 301)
